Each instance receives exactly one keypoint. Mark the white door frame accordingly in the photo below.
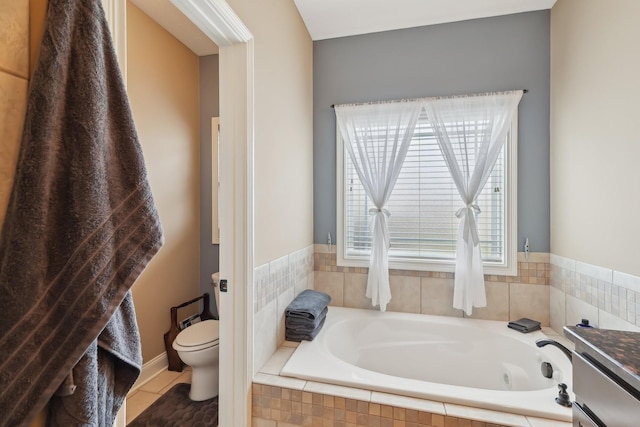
(235, 198)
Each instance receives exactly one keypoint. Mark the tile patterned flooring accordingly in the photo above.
(142, 397)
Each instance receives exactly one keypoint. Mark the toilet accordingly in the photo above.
(198, 347)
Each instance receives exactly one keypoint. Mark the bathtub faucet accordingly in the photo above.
(565, 350)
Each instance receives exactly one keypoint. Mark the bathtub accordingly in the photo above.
(478, 363)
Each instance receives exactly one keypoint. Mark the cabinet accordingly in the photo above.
(601, 398)
(605, 378)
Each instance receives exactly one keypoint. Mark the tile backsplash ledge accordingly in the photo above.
(554, 290)
(508, 297)
(608, 298)
(275, 284)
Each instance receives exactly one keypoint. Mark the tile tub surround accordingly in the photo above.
(610, 299)
(508, 297)
(286, 402)
(275, 285)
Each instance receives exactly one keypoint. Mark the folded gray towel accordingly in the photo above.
(308, 304)
(524, 325)
(304, 324)
(304, 336)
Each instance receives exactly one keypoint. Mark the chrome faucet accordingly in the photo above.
(565, 350)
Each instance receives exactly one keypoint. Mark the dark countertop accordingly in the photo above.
(618, 351)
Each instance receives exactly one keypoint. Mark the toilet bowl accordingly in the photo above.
(198, 347)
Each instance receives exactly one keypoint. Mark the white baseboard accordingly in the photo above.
(151, 369)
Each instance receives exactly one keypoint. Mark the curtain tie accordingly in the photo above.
(374, 211)
(469, 213)
(384, 229)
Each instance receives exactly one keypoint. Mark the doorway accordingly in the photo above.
(220, 23)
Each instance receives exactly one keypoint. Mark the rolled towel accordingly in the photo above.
(302, 324)
(308, 304)
(306, 336)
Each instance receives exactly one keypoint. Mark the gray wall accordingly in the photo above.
(209, 253)
(482, 55)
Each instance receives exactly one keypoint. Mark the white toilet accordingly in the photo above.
(198, 347)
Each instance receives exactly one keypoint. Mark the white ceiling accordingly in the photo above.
(327, 19)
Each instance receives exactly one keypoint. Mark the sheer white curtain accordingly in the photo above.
(377, 138)
(471, 131)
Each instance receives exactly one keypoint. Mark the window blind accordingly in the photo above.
(423, 224)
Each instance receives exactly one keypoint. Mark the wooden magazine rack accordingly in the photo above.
(175, 364)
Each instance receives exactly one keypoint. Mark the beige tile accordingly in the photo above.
(405, 294)
(265, 328)
(530, 301)
(543, 422)
(609, 321)
(160, 381)
(557, 311)
(628, 281)
(185, 377)
(138, 402)
(497, 302)
(324, 249)
(488, 416)
(278, 360)
(407, 402)
(534, 257)
(332, 284)
(355, 288)
(336, 390)
(437, 297)
(283, 300)
(278, 381)
(14, 33)
(260, 422)
(13, 104)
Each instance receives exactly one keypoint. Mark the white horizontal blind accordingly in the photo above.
(423, 225)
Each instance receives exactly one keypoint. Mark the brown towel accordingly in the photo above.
(80, 227)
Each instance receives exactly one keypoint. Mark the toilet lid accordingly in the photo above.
(204, 332)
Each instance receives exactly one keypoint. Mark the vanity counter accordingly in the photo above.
(618, 351)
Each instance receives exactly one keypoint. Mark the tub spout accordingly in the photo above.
(565, 350)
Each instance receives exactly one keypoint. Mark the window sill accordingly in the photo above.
(510, 269)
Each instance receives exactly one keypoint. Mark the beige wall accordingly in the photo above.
(21, 25)
(283, 127)
(595, 146)
(162, 80)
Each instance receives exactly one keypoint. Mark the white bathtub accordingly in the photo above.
(479, 363)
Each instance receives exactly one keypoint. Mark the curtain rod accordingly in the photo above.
(382, 102)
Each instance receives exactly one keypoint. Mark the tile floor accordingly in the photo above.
(141, 398)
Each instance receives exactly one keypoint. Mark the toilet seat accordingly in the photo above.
(198, 336)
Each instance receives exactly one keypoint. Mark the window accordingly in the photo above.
(423, 226)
